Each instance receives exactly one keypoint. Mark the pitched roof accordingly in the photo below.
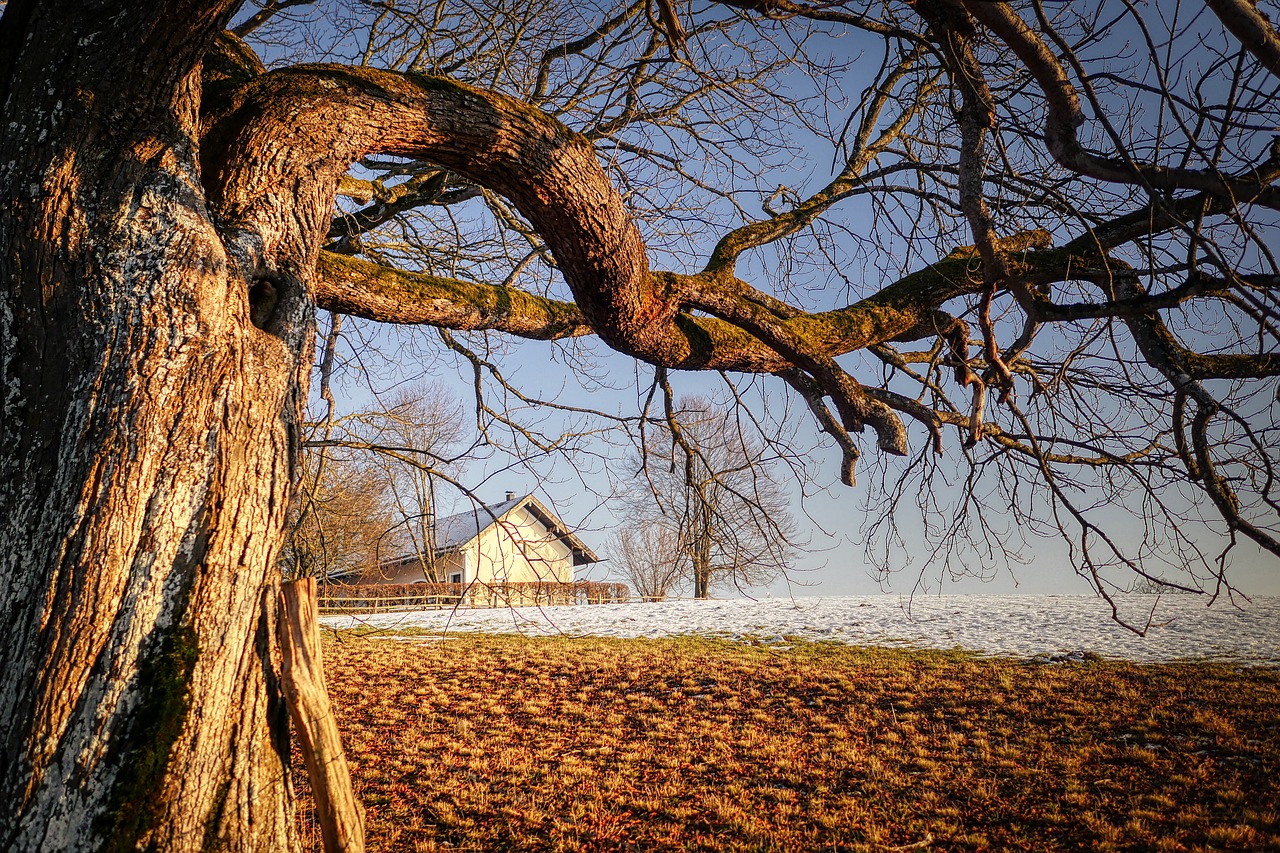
(456, 531)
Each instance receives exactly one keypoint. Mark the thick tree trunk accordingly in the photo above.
(149, 439)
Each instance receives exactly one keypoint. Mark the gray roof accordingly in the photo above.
(455, 531)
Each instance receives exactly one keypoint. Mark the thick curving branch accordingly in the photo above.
(1217, 486)
(954, 31)
(902, 310)
(1247, 23)
(278, 147)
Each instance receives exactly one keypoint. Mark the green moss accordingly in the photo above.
(212, 841)
(142, 752)
(497, 306)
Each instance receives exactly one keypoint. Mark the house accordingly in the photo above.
(517, 541)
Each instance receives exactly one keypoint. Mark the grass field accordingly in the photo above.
(503, 743)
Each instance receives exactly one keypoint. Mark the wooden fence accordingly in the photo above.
(390, 598)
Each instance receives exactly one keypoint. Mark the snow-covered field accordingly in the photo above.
(1181, 626)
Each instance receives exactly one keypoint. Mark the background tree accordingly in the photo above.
(648, 557)
(406, 446)
(413, 437)
(1039, 234)
(343, 520)
(712, 494)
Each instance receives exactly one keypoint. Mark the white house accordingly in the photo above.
(516, 541)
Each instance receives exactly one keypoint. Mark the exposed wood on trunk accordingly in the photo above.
(302, 676)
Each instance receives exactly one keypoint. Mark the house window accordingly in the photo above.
(456, 577)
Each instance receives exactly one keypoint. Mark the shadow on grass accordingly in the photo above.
(509, 743)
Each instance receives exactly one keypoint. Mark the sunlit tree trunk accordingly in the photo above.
(158, 259)
(700, 552)
(149, 433)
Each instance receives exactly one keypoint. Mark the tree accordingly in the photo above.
(367, 490)
(342, 522)
(648, 557)
(713, 497)
(402, 450)
(1064, 210)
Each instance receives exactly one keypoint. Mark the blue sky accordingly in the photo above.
(834, 561)
(833, 517)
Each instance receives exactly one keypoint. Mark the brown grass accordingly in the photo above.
(503, 743)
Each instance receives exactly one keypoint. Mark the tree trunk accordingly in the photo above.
(701, 555)
(149, 429)
(702, 542)
(701, 579)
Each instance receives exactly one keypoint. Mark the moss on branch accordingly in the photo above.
(364, 289)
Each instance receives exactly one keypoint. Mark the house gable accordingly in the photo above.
(518, 540)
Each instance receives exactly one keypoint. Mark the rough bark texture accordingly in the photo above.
(149, 433)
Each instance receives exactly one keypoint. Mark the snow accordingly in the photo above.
(1053, 627)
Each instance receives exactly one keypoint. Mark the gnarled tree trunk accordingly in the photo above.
(157, 256)
(148, 439)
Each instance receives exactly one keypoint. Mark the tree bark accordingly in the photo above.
(701, 552)
(149, 434)
(701, 578)
(302, 673)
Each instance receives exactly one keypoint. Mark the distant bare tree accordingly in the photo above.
(400, 447)
(647, 554)
(712, 486)
(407, 447)
(341, 520)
